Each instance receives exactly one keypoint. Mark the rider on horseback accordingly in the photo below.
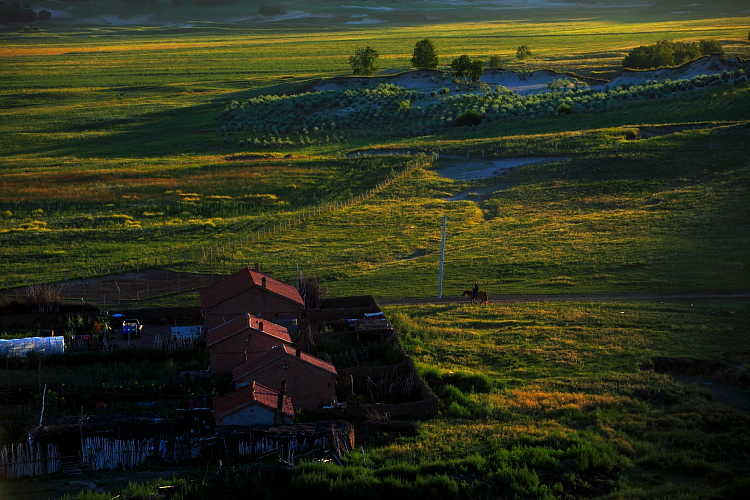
(475, 290)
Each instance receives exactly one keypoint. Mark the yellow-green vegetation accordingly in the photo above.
(550, 378)
(113, 157)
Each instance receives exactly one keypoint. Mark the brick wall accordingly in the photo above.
(239, 348)
(307, 385)
(256, 301)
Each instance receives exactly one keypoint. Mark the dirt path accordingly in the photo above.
(592, 297)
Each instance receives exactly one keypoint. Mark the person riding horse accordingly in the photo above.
(475, 290)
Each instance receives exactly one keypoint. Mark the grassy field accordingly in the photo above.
(110, 160)
(109, 149)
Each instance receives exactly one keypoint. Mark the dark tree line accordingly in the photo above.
(14, 12)
(666, 53)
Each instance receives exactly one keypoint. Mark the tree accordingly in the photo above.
(424, 55)
(476, 70)
(668, 53)
(461, 65)
(709, 47)
(523, 53)
(495, 62)
(363, 61)
(465, 67)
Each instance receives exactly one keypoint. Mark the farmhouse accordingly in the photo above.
(310, 381)
(253, 404)
(241, 339)
(250, 291)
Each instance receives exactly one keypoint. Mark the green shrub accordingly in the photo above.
(468, 118)
(494, 62)
(469, 382)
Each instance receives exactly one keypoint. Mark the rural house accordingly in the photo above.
(241, 339)
(253, 404)
(310, 381)
(250, 291)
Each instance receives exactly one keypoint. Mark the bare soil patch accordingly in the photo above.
(481, 168)
(127, 290)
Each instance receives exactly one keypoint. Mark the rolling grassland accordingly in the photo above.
(111, 159)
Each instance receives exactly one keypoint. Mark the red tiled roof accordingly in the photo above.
(247, 395)
(246, 322)
(242, 280)
(275, 353)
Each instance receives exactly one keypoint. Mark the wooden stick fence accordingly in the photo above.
(24, 459)
(105, 453)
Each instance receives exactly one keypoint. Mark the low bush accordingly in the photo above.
(468, 118)
(272, 10)
(469, 382)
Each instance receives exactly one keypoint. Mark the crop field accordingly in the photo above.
(205, 146)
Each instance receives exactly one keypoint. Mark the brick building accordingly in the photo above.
(241, 339)
(253, 404)
(250, 291)
(310, 381)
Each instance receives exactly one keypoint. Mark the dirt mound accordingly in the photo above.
(525, 83)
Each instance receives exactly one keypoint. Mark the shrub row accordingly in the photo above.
(393, 110)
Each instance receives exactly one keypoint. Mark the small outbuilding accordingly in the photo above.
(252, 405)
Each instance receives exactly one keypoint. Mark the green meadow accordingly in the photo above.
(112, 159)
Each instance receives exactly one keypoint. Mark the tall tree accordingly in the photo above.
(465, 67)
(363, 61)
(424, 55)
(523, 53)
(461, 65)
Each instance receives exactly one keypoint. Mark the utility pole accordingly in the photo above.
(442, 259)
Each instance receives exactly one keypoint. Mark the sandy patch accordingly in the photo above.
(119, 21)
(364, 19)
(532, 83)
(295, 14)
(481, 168)
(381, 9)
(703, 66)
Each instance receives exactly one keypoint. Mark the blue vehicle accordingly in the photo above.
(131, 328)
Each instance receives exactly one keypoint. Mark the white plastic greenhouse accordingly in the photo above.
(21, 347)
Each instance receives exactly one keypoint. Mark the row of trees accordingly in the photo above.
(662, 53)
(425, 56)
(666, 53)
(14, 12)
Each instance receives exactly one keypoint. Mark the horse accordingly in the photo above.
(481, 298)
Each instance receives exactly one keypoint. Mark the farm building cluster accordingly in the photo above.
(252, 321)
(282, 348)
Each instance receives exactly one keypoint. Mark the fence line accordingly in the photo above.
(214, 258)
(210, 259)
(25, 459)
